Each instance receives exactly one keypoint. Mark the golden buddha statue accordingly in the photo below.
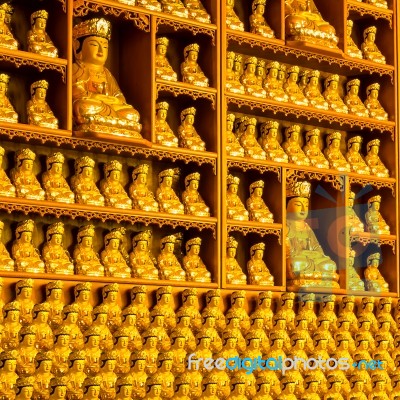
(288, 385)
(249, 79)
(42, 375)
(108, 377)
(7, 112)
(303, 79)
(91, 386)
(213, 300)
(292, 146)
(7, 189)
(373, 105)
(354, 158)
(192, 200)
(100, 320)
(196, 270)
(70, 320)
(141, 195)
(232, 20)
(44, 334)
(264, 385)
(333, 154)
(154, 386)
(164, 133)
(197, 11)
(238, 300)
(141, 258)
(335, 383)
(170, 268)
(257, 330)
(355, 282)
(312, 91)
(162, 65)
(54, 293)
(56, 259)
(188, 136)
(164, 366)
(174, 7)
(312, 150)
(11, 325)
(238, 66)
(366, 309)
(378, 3)
(291, 88)
(26, 256)
(233, 147)
(373, 160)
(178, 344)
(264, 309)
(167, 199)
(82, 299)
(270, 144)
(129, 326)
(138, 374)
(6, 37)
(332, 96)
(258, 24)
(353, 101)
(98, 103)
(39, 112)
(374, 281)
(114, 262)
(75, 374)
(369, 49)
(304, 23)
(54, 183)
(260, 71)
(286, 310)
(258, 210)
(234, 273)
(183, 318)
(232, 84)
(307, 262)
(58, 388)
(190, 307)
(60, 352)
(182, 387)
(190, 69)
(257, 270)
(306, 309)
(233, 330)
(86, 259)
(150, 341)
(6, 262)
(26, 351)
(272, 85)
(139, 307)
(375, 223)
(12, 387)
(83, 184)
(351, 48)
(235, 207)
(248, 139)
(152, 5)
(23, 178)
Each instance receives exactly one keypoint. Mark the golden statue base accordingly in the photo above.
(321, 46)
(312, 283)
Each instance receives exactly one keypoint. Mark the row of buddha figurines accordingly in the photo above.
(24, 184)
(274, 81)
(242, 141)
(114, 260)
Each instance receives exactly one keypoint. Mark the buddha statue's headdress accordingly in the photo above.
(192, 242)
(374, 256)
(232, 180)
(39, 84)
(113, 165)
(374, 142)
(353, 82)
(272, 65)
(257, 184)
(163, 41)
(25, 226)
(39, 14)
(112, 235)
(371, 29)
(162, 105)
(141, 169)
(373, 199)
(24, 154)
(93, 27)
(192, 47)
(57, 228)
(230, 55)
(258, 246)
(298, 189)
(374, 86)
(231, 243)
(187, 111)
(55, 158)
(168, 239)
(355, 139)
(86, 231)
(333, 136)
(195, 176)
(313, 132)
(84, 162)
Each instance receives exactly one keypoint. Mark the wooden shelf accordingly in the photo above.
(368, 9)
(371, 294)
(366, 238)
(317, 290)
(261, 229)
(257, 288)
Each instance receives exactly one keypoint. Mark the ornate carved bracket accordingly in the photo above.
(253, 227)
(368, 238)
(366, 9)
(248, 164)
(64, 4)
(389, 183)
(337, 181)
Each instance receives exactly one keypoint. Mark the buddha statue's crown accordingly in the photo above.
(265, 295)
(288, 296)
(164, 290)
(313, 132)
(195, 176)
(164, 41)
(261, 63)
(192, 242)
(375, 142)
(270, 125)
(55, 158)
(151, 332)
(249, 121)
(71, 308)
(282, 67)
(166, 173)
(264, 380)
(348, 299)
(374, 256)
(112, 235)
(229, 334)
(233, 313)
(167, 239)
(231, 243)
(189, 292)
(113, 165)
(332, 78)
(155, 380)
(25, 382)
(113, 287)
(272, 65)
(258, 246)
(385, 300)
(209, 313)
(93, 27)
(142, 236)
(352, 195)
(370, 299)
(257, 184)
(139, 355)
(238, 294)
(371, 29)
(374, 199)
(92, 381)
(313, 74)
(100, 309)
(384, 318)
(343, 318)
(191, 47)
(231, 117)
(239, 379)
(93, 331)
(257, 314)
(162, 105)
(108, 355)
(350, 23)
(308, 297)
(139, 289)
(130, 310)
(12, 306)
(56, 228)
(353, 82)
(299, 189)
(187, 111)
(2, 151)
(25, 226)
(374, 86)
(183, 379)
(329, 298)
(380, 337)
(289, 379)
(334, 379)
(259, 3)
(232, 180)
(122, 332)
(291, 129)
(86, 231)
(54, 285)
(250, 60)
(183, 312)
(27, 330)
(7, 8)
(62, 331)
(340, 337)
(77, 355)
(238, 58)
(46, 356)
(39, 14)
(378, 377)
(82, 287)
(333, 136)
(298, 336)
(230, 55)
(165, 356)
(141, 169)
(84, 162)
(311, 378)
(355, 139)
(24, 154)
(126, 380)
(39, 84)
(213, 293)
(294, 69)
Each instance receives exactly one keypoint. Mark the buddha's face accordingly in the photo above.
(373, 94)
(364, 345)
(336, 387)
(314, 81)
(180, 342)
(40, 94)
(273, 133)
(335, 144)
(374, 150)
(333, 85)
(152, 342)
(94, 341)
(13, 316)
(185, 321)
(56, 168)
(161, 49)
(314, 140)
(371, 37)
(140, 297)
(309, 305)
(115, 175)
(231, 252)
(155, 390)
(239, 302)
(380, 386)
(167, 181)
(194, 184)
(63, 340)
(40, 23)
(93, 392)
(281, 324)
(169, 248)
(313, 386)
(303, 324)
(60, 392)
(79, 365)
(72, 318)
(257, 192)
(387, 308)
(55, 294)
(110, 365)
(260, 9)
(325, 325)
(141, 178)
(192, 56)
(125, 391)
(43, 317)
(214, 302)
(29, 340)
(233, 188)
(10, 365)
(265, 388)
(273, 72)
(355, 147)
(26, 237)
(258, 255)
(46, 365)
(184, 389)
(189, 119)
(27, 165)
(229, 125)
(159, 321)
(167, 365)
(142, 245)
(260, 71)
(354, 90)
(165, 298)
(26, 393)
(205, 342)
(211, 388)
(278, 343)
(290, 388)
(25, 293)
(345, 325)
(87, 172)
(293, 77)
(140, 365)
(323, 344)
(3, 88)
(298, 208)
(229, 63)
(250, 68)
(289, 304)
(190, 300)
(94, 50)
(194, 250)
(375, 205)
(84, 295)
(162, 114)
(294, 136)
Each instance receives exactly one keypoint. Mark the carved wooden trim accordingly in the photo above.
(246, 227)
(367, 9)
(337, 181)
(368, 238)
(248, 164)
(64, 5)
(389, 183)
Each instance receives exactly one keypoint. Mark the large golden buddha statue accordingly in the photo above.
(6, 187)
(257, 270)
(111, 257)
(6, 262)
(7, 112)
(354, 158)
(232, 82)
(353, 101)
(188, 136)
(162, 65)
(39, 41)
(54, 183)
(191, 198)
(353, 221)
(141, 195)
(235, 208)
(167, 199)
(374, 281)
(234, 273)
(39, 112)
(142, 261)
(196, 270)
(232, 20)
(334, 155)
(292, 146)
(170, 267)
(256, 206)
(375, 222)
(190, 69)
(312, 150)
(250, 80)
(373, 105)
(308, 266)
(26, 256)
(305, 23)
(352, 50)
(83, 184)
(331, 94)
(98, 103)
(56, 259)
(270, 144)
(6, 38)
(373, 160)
(164, 133)
(23, 178)
(312, 91)
(258, 24)
(369, 49)
(197, 11)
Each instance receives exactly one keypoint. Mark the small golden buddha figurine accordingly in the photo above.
(325, 327)
(83, 184)
(124, 387)
(248, 139)
(238, 300)
(108, 377)
(232, 84)
(334, 155)
(233, 147)
(332, 96)
(190, 69)
(234, 273)
(170, 268)
(264, 309)
(110, 300)
(100, 320)
(26, 256)
(182, 387)
(44, 334)
(183, 318)
(167, 199)
(114, 262)
(7, 189)
(163, 67)
(288, 385)
(82, 299)
(54, 293)
(308, 264)
(375, 223)
(258, 210)
(188, 136)
(190, 307)
(373, 160)
(164, 133)
(249, 79)
(178, 343)
(54, 183)
(272, 85)
(366, 309)
(355, 282)
(264, 384)
(258, 24)
(129, 326)
(233, 318)
(56, 259)
(303, 79)
(235, 207)
(292, 146)
(196, 270)
(197, 11)
(86, 259)
(141, 195)
(58, 388)
(335, 383)
(312, 91)
(150, 341)
(192, 200)
(98, 103)
(164, 366)
(347, 310)
(91, 385)
(39, 112)
(152, 5)
(70, 320)
(141, 258)
(23, 177)
(138, 374)
(270, 144)
(42, 375)
(312, 150)
(26, 351)
(7, 112)
(374, 281)
(6, 38)
(352, 100)
(291, 88)
(92, 350)
(385, 309)
(304, 23)
(24, 389)
(232, 20)
(6, 262)
(286, 310)
(213, 300)
(257, 270)
(378, 3)
(369, 49)
(354, 158)
(75, 374)
(257, 330)
(343, 331)
(111, 187)
(373, 105)
(61, 351)
(307, 302)
(351, 48)
(11, 326)
(139, 307)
